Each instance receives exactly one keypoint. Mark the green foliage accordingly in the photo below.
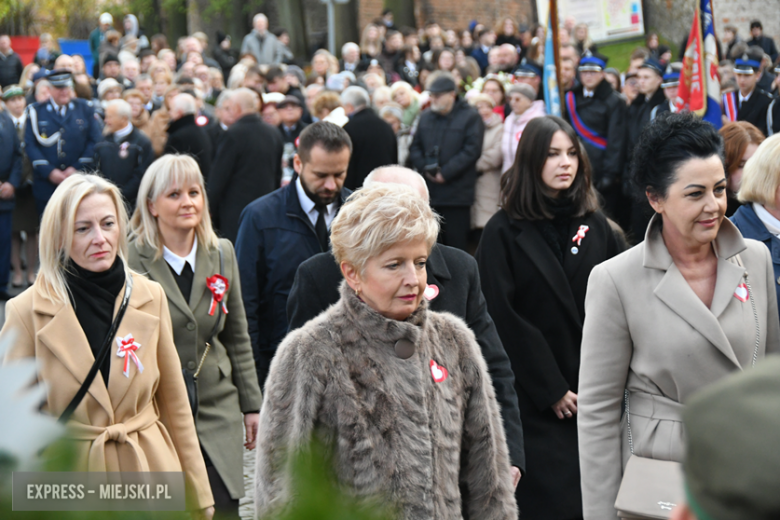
(619, 53)
(318, 497)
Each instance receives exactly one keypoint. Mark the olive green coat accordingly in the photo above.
(227, 383)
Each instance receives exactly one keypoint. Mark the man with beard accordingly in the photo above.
(279, 231)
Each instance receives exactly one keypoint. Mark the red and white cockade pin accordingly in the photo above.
(742, 293)
(438, 372)
(127, 348)
(431, 292)
(578, 238)
(218, 285)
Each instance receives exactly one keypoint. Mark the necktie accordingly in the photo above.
(184, 281)
(18, 125)
(321, 228)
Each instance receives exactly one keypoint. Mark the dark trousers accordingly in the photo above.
(455, 226)
(225, 507)
(6, 227)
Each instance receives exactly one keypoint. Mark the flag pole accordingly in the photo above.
(556, 50)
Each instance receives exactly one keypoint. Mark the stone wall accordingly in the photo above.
(673, 18)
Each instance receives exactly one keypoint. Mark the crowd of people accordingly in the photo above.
(400, 247)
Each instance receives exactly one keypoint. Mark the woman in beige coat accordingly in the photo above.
(135, 416)
(174, 245)
(489, 163)
(691, 304)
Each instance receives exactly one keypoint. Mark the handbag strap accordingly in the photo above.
(100, 358)
(216, 323)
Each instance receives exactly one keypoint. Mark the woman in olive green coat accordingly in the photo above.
(174, 244)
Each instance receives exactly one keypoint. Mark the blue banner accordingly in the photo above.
(552, 97)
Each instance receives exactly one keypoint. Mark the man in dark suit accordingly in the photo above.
(749, 103)
(456, 276)
(186, 136)
(598, 115)
(125, 153)
(10, 180)
(765, 42)
(279, 231)
(373, 141)
(248, 164)
(290, 112)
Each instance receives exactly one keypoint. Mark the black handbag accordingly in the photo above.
(100, 358)
(191, 378)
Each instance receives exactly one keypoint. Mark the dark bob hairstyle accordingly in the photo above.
(666, 143)
(524, 195)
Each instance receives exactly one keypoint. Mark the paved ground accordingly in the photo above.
(246, 508)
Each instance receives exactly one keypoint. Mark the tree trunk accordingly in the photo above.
(291, 17)
(177, 23)
(403, 12)
(346, 24)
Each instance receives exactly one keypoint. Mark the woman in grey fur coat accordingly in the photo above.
(401, 393)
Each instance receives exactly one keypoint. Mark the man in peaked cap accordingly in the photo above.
(60, 137)
(749, 103)
(670, 85)
(530, 73)
(732, 462)
(650, 76)
(598, 115)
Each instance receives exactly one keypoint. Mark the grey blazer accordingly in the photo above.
(646, 331)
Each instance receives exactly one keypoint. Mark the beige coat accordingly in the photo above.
(137, 423)
(158, 130)
(227, 383)
(647, 331)
(144, 123)
(489, 167)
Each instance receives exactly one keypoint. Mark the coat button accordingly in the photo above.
(191, 365)
(190, 326)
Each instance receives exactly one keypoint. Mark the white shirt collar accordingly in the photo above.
(120, 134)
(769, 220)
(307, 205)
(21, 119)
(177, 262)
(745, 98)
(586, 92)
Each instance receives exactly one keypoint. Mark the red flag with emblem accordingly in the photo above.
(692, 92)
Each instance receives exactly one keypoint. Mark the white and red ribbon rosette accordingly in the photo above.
(580, 235)
(218, 285)
(127, 348)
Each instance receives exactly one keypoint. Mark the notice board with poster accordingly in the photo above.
(607, 20)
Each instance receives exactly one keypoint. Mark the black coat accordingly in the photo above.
(294, 133)
(11, 68)
(316, 287)
(186, 137)
(754, 110)
(639, 115)
(537, 304)
(604, 114)
(125, 162)
(248, 165)
(767, 44)
(458, 137)
(373, 145)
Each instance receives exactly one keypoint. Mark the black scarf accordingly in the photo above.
(555, 231)
(93, 296)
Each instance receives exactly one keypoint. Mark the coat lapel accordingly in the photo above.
(143, 327)
(437, 269)
(159, 271)
(533, 245)
(65, 339)
(205, 266)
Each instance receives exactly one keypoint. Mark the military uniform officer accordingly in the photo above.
(60, 137)
(670, 85)
(598, 115)
(10, 180)
(749, 103)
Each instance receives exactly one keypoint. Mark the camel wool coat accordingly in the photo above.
(227, 383)
(408, 431)
(138, 423)
(647, 332)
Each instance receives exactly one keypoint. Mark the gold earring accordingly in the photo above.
(357, 292)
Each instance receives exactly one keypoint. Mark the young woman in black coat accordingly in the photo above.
(534, 259)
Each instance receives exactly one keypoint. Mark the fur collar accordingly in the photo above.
(375, 327)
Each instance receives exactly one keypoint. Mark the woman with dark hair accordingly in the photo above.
(690, 305)
(494, 87)
(444, 59)
(534, 260)
(740, 142)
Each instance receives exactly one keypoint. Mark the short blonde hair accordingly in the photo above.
(168, 171)
(761, 176)
(56, 235)
(481, 98)
(376, 218)
(402, 85)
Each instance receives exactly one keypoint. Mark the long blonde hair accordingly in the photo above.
(56, 234)
(167, 171)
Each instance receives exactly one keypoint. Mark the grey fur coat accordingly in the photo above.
(433, 450)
